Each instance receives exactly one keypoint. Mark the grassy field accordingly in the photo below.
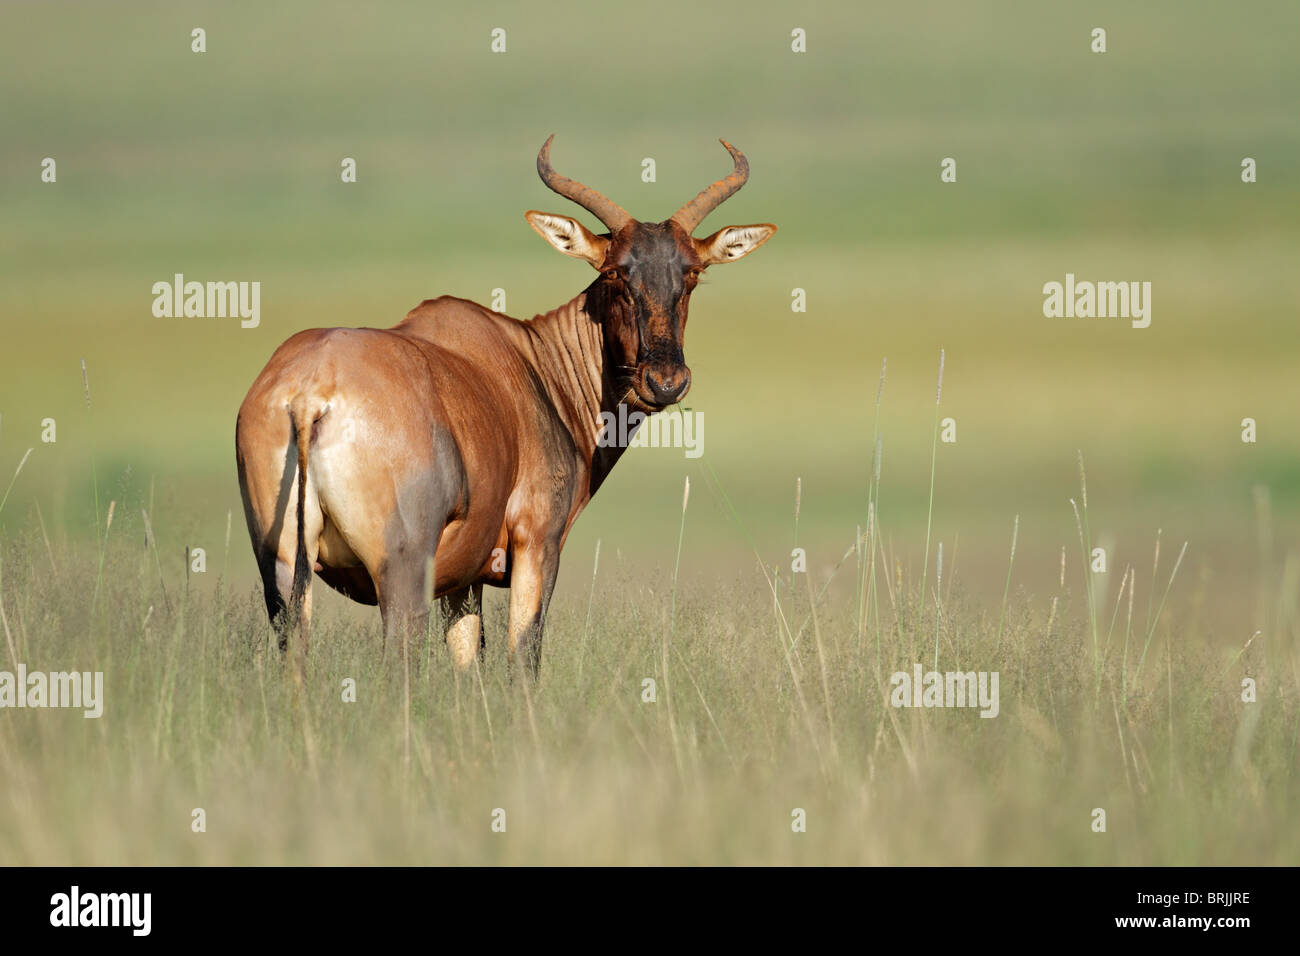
(1123, 166)
(768, 698)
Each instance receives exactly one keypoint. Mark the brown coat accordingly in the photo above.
(462, 441)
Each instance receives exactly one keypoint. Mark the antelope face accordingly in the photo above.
(644, 292)
(647, 274)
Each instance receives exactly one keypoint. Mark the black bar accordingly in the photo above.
(960, 906)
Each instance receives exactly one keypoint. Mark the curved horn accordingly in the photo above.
(693, 213)
(610, 213)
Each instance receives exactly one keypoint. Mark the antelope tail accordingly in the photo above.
(302, 423)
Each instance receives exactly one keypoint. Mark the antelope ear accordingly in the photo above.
(733, 242)
(569, 236)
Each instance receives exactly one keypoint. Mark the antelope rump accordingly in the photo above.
(457, 448)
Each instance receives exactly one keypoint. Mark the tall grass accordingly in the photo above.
(929, 511)
(200, 712)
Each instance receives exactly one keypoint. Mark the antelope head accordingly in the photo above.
(647, 273)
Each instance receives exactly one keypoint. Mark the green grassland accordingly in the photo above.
(1122, 166)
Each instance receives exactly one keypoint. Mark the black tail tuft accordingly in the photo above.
(301, 569)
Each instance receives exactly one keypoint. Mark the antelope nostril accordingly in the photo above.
(666, 389)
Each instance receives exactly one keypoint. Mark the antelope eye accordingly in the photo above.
(611, 274)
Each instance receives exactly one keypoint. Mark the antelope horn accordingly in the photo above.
(693, 213)
(607, 211)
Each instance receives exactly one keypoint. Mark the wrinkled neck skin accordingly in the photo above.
(569, 359)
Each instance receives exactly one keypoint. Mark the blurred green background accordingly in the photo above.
(1123, 166)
